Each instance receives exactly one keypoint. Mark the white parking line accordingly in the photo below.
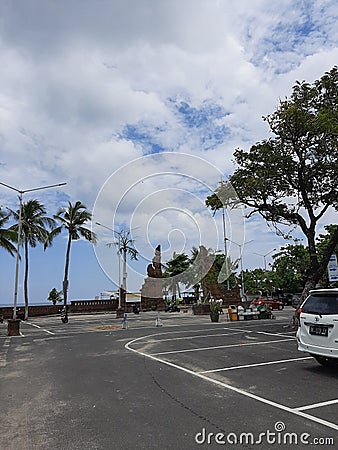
(317, 405)
(37, 326)
(230, 387)
(256, 365)
(264, 332)
(153, 341)
(3, 359)
(220, 346)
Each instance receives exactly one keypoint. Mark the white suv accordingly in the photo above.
(318, 326)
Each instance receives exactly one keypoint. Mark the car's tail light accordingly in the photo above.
(298, 313)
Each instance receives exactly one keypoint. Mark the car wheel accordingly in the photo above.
(280, 307)
(325, 361)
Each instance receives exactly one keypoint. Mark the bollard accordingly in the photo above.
(158, 321)
(125, 321)
(232, 310)
(13, 328)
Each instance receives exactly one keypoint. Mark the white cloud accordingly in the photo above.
(87, 88)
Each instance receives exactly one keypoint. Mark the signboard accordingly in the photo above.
(332, 268)
(133, 297)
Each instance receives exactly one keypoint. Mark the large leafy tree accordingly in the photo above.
(292, 178)
(34, 230)
(259, 281)
(223, 196)
(7, 235)
(72, 219)
(322, 243)
(290, 267)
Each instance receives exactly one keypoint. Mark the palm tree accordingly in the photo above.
(177, 271)
(72, 219)
(6, 234)
(55, 296)
(125, 247)
(33, 230)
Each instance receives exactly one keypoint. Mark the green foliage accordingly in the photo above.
(34, 230)
(34, 223)
(223, 196)
(289, 269)
(258, 280)
(176, 272)
(322, 244)
(290, 266)
(215, 306)
(7, 236)
(55, 296)
(126, 244)
(292, 178)
(72, 220)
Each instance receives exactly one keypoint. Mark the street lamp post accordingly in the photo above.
(225, 248)
(241, 247)
(264, 256)
(118, 255)
(121, 236)
(21, 192)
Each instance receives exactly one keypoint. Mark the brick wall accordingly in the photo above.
(75, 306)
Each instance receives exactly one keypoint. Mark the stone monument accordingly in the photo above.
(152, 288)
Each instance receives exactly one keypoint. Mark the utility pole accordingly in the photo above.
(21, 192)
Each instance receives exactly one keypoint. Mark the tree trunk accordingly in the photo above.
(25, 286)
(65, 278)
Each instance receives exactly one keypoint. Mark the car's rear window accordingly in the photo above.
(321, 304)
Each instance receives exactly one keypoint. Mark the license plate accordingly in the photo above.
(318, 330)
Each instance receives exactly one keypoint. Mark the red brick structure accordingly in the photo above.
(75, 306)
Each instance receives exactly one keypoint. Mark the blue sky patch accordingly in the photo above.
(201, 124)
(143, 135)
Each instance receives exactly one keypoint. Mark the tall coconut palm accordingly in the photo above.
(176, 270)
(34, 229)
(126, 247)
(7, 236)
(72, 219)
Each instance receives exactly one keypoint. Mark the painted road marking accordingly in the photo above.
(230, 387)
(37, 326)
(256, 365)
(155, 341)
(264, 332)
(3, 359)
(317, 405)
(221, 346)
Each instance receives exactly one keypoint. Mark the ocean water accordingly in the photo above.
(22, 305)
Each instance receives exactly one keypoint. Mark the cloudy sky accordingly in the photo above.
(138, 105)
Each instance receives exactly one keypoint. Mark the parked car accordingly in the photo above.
(318, 326)
(273, 304)
(287, 299)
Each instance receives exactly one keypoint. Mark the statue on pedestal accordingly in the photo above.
(151, 291)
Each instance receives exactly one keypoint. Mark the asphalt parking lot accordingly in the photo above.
(188, 383)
